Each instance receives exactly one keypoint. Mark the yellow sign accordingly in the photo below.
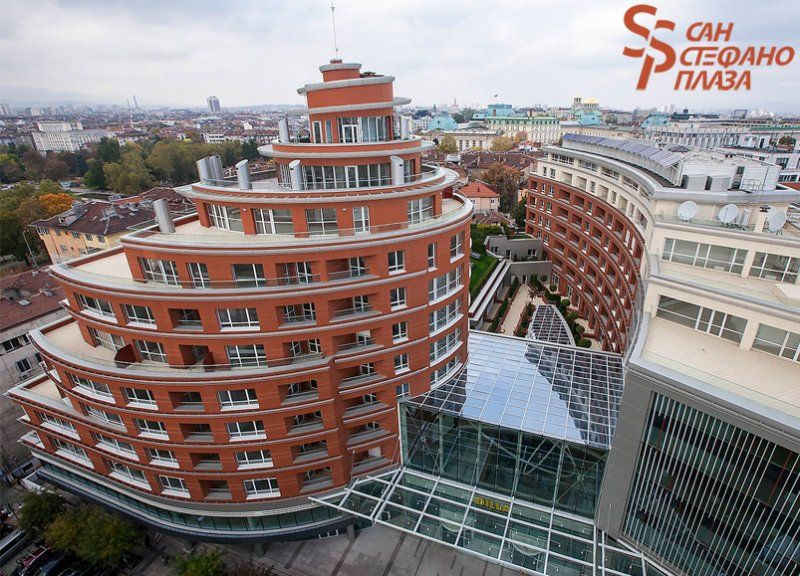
(489, 504)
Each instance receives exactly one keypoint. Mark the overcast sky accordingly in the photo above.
(258, 52)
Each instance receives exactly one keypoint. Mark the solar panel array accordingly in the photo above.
(565, 393)
(658, 155)
(548, 325)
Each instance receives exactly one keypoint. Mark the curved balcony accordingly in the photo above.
(428, 174)
(63, 343)
(414, 144)
(193, 234)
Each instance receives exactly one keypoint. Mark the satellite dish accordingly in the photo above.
(687, 210)
(728, 213)
(776, 220)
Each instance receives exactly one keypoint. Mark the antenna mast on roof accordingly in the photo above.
(333, 19)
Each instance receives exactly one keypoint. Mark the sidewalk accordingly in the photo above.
(515, 311)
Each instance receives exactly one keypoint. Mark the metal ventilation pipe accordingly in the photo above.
(203, 170)
(164, 216)
(296, 174)
(216, 167)
(283, 130)
(398, 170)
(243, 175)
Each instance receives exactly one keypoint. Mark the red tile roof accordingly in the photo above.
(478, 189)
(98, 217)
(35, 287)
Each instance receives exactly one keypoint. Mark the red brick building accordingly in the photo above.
(216, 370)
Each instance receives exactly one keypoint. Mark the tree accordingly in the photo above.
(130, 175)
(448, 145)
(459, 117)
(94, 535)
(505, 180)
(95, 175)
(200, 563)
(11, 239)
(55, 203)
(251, 568)
(519, 213)
(55, 169)
(34, 164)
(502, 144)
(787, 141)
(250, 150)
(39, 510)
(107, 150)
(10, 168)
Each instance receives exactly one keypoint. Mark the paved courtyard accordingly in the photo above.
(376, 551)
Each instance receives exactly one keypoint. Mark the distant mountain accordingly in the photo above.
(22, 96)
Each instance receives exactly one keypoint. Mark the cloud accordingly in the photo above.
(249, 51)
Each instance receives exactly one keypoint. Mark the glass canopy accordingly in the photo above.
(557, 391)
(548, 325)
(507, 530)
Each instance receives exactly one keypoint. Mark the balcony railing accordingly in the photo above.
(357, 345)
(352, 312)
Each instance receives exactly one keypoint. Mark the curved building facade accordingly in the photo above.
(217, 369)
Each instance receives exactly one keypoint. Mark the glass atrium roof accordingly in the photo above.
(548, 325)
(561, 392)
(513, 532)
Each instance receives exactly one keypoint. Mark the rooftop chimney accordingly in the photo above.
(164, 216)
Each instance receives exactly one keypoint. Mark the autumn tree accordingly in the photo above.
(448, 145)
(55, 203)
(519, 213)
(502, 144)
(505, 180)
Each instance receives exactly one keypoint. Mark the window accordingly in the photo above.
(373, 128)
(778, 342)
(420, 210)
(704, 255)
(294, 313)
(317, 131)
(24, 367)
(444, 285)
(198, 273)
(403, 390)
(107, 417)
(238, 398)
(298, 273)
(225, 217)
(401, 363)
(237, 318)
(57, 423)
(96, 306)
(321, 221)
(151, 428)
(71, 452)
(188, 318)
(397, 261)
(399, 331)
(397, 298)
(139, 315)
(245, 355)
(775, 267)
(106, 340)
(16, 342)
(160, 457)
(439, 375)
(357, 266)
(95, 389)
(127, 474)
(262, 487)
(443, 346)
(254, 459)
(310, 419)
(703, 319)
(246, 430)
(456, 245)
(361, 219)
(348, 130)
(248, 275)
(153, 351)
(443, 316)
(173, 486)
(114, 445)
(273, 221)
(301, 388)
(432, 255)
(139, 396)
(161, 271)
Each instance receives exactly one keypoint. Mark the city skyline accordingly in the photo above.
(439, 61)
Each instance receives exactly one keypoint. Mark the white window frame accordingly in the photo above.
(97, 307)
(361, 219)
(139, 315)
(228, 402)
(173, 486)
(160, 271)
(152, 351)
(399, 332)
(261, 488)
(151, 428)
(401, 364)
(397, 298)
(233, 319)
(240, 431)
(140, 397)
(396, 261)
(271, 222)
(238, 360)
